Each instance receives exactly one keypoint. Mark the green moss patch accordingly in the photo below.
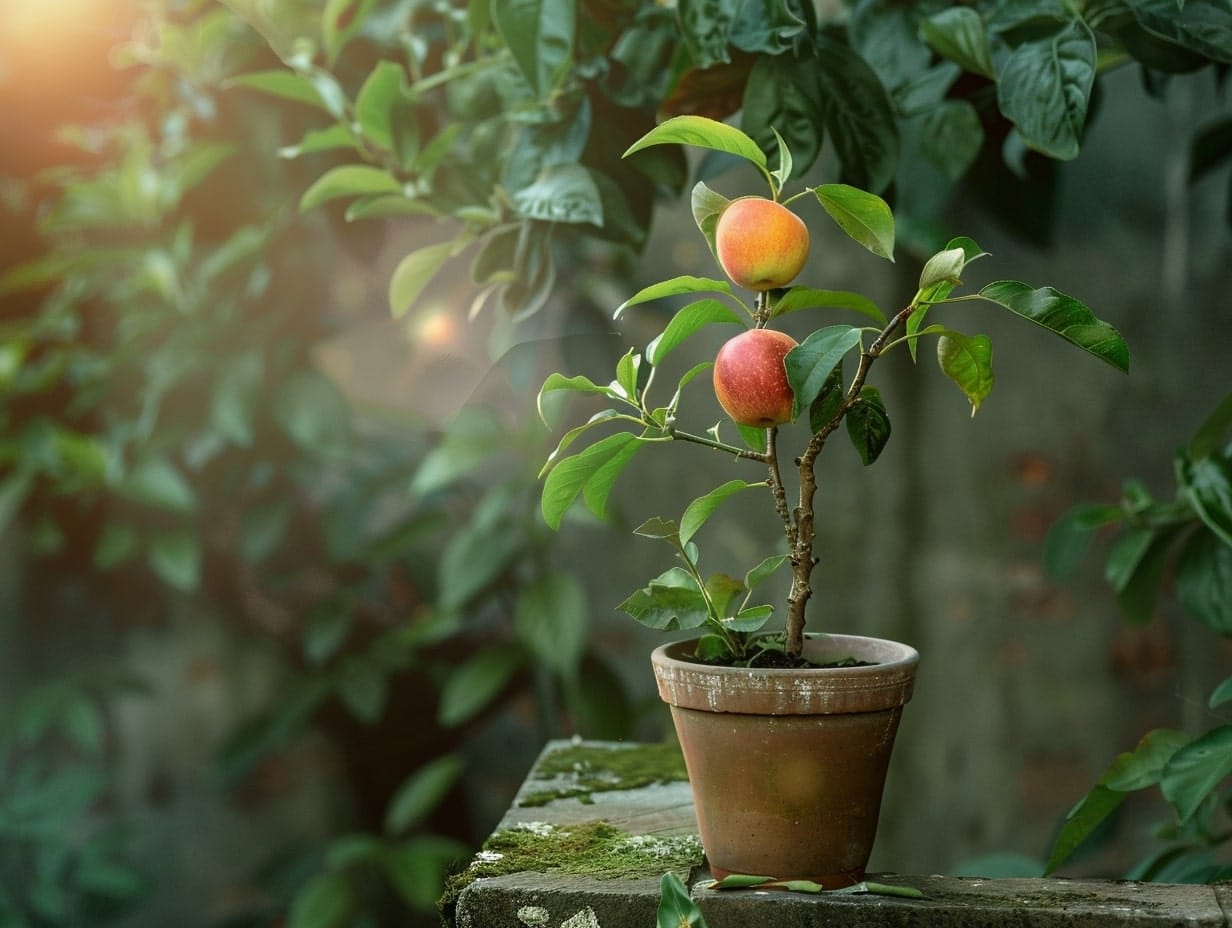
(594, 848)
(580, 770)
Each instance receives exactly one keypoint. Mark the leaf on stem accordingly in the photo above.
(967, 361)
(868, 425)
(673, 287)
(810, 363)
(702, 132)
(686, 322)
(703, 507)
(590, 473)
(1193, 772)
(800, 297)
(1064, 315)
(864, 216)
(671, 602)
(707, 206)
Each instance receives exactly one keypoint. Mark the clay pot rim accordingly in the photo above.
(886, 683)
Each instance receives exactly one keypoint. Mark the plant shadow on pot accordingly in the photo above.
(786, 766)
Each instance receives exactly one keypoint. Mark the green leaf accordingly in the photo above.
(1138, 592)
(703, 507)
(313, 411)
(325, 902)
(626, 375)
(348, 180)
(421, 792)
(753, 436)
(176, 558)
(656, 527)
(414, 273)
(829, 401)
(763, 571)
(951, 136)
(686, 322)
(750, 619)
(671, 602)
(722, 589)
(540, 35)
(562, 193)
(377, 103)
(550, 617)
(859, 116)
(157, 482)
(116, 544)
(1064, 315)
(864, 216)
(676, 907)
(810, 363)
(800, 297)
(1204, 581)
(341, 20)
(1070, 536)
(557, 383)
(707, 206)
(674, 287)
(286, 85)
(1086, 815)
(1222, 693)
(591, 473)
(702, 132)
(958, 34)
(1044, 88)
(363, 687)
(479, 552)
(1142, 767)
(1207, 485)
(967, 361)
(1212, 433)
(1194, 771)
(782, 110)
(472, 685)
(1201, 26)
(742, 881)
(946, 266)
(868, 425)
(1125, 554)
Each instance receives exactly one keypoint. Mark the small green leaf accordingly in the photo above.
(626, 375)
(1207, 484)
(348, 180)
(946, 265)
(377, 101)
(1204, 581)
(556, 383)
(829, 401)
(703, 507)
(676, 907)
(550, 617)
(473, 685)
(702, 132)
(341, 20)
(967, 361)
(671, 602)
(1070, 536)
(157, 482)
(753, 436)
(958, 34)
(810, 363)
(1063, 315)
(1143, 766)
(1212, 433)
(749, 619)
(1086, 815)
(868, 425)
(414, 273)
(421, 792)
(561, 193)
(763, 571)
(1222, 693)
(1125, 554)
(176, 558)
(864, 216)
(707, 207)
(686, 322)
(591, 473)
(801, 297)
(314, 140)
(742, 881)
(1194, 771)
(673, 287)
(286, 85)
(325, 902)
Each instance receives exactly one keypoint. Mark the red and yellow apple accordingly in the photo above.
(760, 244)
(750, 380)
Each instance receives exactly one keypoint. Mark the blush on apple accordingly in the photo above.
(760, 244)
(750, 380)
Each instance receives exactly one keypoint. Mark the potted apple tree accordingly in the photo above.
(786, 734)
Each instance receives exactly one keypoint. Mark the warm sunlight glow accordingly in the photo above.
(44, 22)
(436, 329)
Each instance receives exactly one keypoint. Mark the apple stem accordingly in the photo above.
(801, 525)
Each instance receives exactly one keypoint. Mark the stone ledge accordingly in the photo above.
(631, 801)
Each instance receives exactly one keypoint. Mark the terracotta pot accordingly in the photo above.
(787, 766)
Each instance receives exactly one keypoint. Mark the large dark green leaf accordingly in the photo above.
(858, 116)
(951, 136)
(1207, 484)
(562, 193)
(868, 425)
(767, 26)
(1204, 581)
(1194, 771)
(706, 27)
(958, 34)
(781, 95)
(809, 364)
(1064, 315)
(1044, 88)
(677, 909)
(885, 34)
(1212, 433)
(540, 36)
(1202, 26)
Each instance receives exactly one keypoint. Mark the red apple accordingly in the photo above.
(760, 244)
(750, 380)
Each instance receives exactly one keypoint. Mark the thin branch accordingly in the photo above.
(776, 486)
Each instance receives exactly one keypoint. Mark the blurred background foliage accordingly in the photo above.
(276, 589)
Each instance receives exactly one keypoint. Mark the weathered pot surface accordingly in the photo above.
(787, 766)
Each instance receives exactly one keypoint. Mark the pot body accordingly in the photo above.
(787, 766)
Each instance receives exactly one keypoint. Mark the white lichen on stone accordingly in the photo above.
(533, 916)
(583, 919)
(487, 857)
(660, 847)
(538, 829)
